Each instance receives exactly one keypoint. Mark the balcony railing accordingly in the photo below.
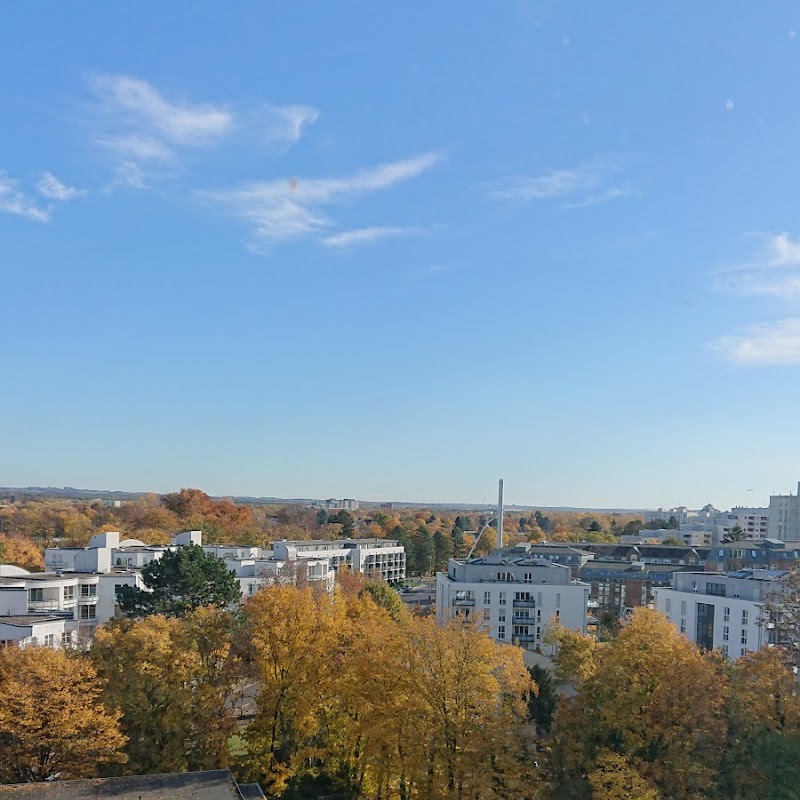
(524, 604)
(464, 601)
(89, 600)
(44, 605)
(525, 637)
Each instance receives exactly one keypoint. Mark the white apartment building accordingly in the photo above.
(383, 559)
(719, 611)
(78, 590)
(753, 521)
(514, 598)
(693, 534)
(72, 603)
(682, 514)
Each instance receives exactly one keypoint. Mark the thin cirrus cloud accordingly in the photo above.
(763, 344)
(280, 210)
(584, 185)
(774, 270)
(52, 188)
(14, 200)
(143, 132)
(360, 236)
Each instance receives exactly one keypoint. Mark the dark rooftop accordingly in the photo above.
(213, 785)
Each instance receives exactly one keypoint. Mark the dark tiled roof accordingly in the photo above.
(213, 785)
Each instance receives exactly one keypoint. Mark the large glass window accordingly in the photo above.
(705, 626)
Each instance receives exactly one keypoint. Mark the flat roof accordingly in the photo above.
(24, 620)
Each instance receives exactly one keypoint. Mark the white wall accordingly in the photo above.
(566, 602)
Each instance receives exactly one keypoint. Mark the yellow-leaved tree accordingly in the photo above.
(172, 679)
(297, 655)
(53, 723)
(653, 698)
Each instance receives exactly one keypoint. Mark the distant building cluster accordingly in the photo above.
(709, 571)
(348, 504)
(62, 606)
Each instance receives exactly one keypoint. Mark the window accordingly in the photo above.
(89, 590)
(668, 605)
(704, 631)
(716, 589)
(69, 592)
(726, 632)
(727, 615)
(35, 595)
(501, 631)
(743, 651)
(725, 650)
(487, 598)
(88, 612)
(486, 614)
(527, 577)
(683, 626)
(66, 639)
(502, 598)
(502, 617)
(49, 640)
(744, 616)
(744, 636)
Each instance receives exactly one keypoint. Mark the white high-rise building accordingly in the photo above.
(784, 516)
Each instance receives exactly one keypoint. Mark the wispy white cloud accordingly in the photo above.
(555, 183)
(764, 344)
(583, 185)
(774, 270)
(51, 187)
(137, 104)
(290, 208)
(286, 124)
(614, 193)
(15, 201)
(368, 235)
(143, 132)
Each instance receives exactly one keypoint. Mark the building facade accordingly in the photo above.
(719, 611)
(784, 516)
(513, 598)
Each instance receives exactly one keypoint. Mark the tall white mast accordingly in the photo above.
(500, 514)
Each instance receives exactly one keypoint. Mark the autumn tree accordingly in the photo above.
(172, 679)
(384, 596)
(762, 757)
(295, 643)
(21, 552)
(181, 580)
(651, 697)
(52, 721)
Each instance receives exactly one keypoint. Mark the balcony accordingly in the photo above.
(464, 602)
(524, 604)
(44, 605)
(525, 637)
(90, 600)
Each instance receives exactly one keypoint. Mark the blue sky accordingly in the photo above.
(401, 250)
